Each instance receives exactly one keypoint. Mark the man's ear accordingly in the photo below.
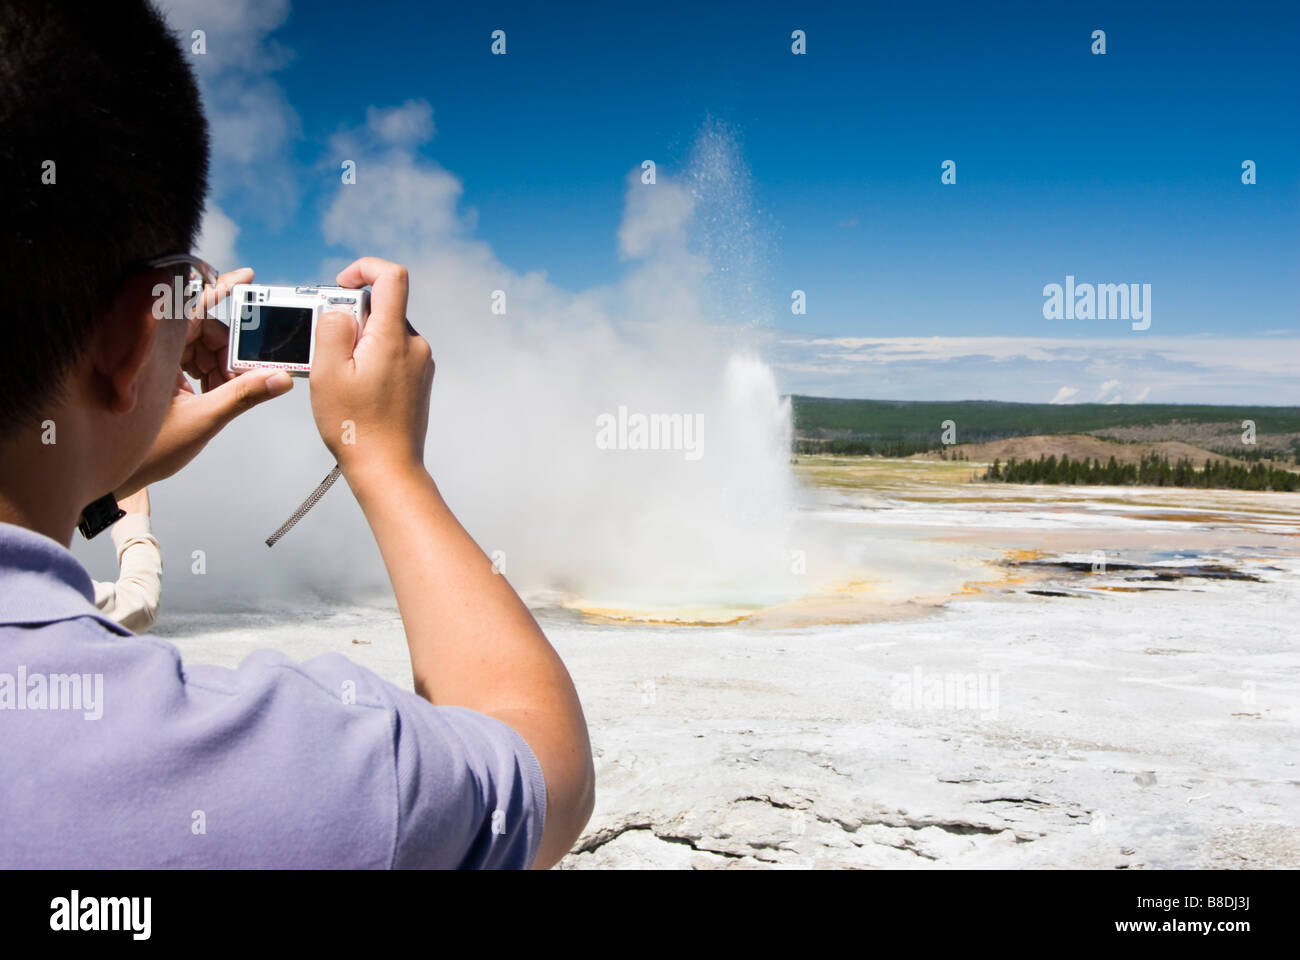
(124, 342)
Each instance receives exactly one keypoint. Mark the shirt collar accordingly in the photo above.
(42, 582)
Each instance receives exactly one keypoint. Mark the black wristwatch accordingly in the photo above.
(99, 516)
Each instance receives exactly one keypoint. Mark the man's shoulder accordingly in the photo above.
(276, 763)
(320, 762)
(332, 676)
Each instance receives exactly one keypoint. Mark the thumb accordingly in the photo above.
(245, 392)
(336, 336)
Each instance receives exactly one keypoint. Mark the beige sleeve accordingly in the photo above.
(134, 600)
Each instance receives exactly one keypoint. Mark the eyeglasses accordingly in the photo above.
(198, 274)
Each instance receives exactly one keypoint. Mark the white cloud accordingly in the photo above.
(1192, 369)
(395, 203)
(1065, 395)
(408, 125)
(251, 121)
(216, 240)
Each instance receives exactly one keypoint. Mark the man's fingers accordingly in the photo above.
(217, 377)
(200, 363)
(213, 334)
(206, 342)
(225, 283)
(336, 337)
(389, 287)
(244, 392)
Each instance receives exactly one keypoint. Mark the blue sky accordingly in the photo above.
(1122, 168)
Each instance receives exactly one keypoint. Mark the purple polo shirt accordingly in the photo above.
(114, 753)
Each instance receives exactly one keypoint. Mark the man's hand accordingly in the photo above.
(370, 396)
(195, 418)
(207, 338)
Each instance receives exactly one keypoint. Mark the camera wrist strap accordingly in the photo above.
(306, 505)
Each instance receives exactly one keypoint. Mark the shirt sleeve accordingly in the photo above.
(397, 781)
(496, 801)
(133, 601)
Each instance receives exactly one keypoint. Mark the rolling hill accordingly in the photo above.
(904, 428)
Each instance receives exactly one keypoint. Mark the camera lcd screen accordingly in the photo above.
(275, 334)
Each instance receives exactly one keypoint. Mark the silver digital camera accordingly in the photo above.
(274, 327)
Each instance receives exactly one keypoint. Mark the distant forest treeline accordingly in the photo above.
(1151, 471)
(849, 447)
(1261, 453)
(900, 428)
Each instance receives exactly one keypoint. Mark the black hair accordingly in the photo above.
(103, 164)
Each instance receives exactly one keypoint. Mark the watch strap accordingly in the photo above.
(99, 515)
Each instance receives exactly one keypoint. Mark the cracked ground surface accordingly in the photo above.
(751, 749)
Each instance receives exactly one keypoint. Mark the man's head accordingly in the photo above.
(103, 164)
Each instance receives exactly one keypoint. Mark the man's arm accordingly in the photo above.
(137, 595)
(473, 642)
(134, 599)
